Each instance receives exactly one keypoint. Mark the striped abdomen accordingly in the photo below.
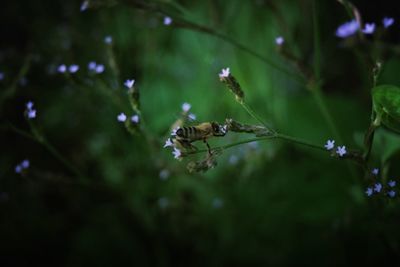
(190, 133)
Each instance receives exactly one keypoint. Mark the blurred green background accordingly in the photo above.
(268, 202)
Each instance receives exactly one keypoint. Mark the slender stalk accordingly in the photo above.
(255, 116)
(299, 141)
(232, 144)
(42, 140)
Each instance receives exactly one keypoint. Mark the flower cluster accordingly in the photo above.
(20, 168)
(378, 187)
(30, 112)
(185, 112)
(226, 77)
(71, 69)
(349, 28)
(340, 150)
(96, 68)
(123, 118)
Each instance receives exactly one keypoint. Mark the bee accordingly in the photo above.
(186, 135)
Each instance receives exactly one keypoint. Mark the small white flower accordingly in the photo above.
(341, 151)
(329, 144)
(233, 159)
(62, 68)
(73, 68)
(217, 203)
(121, 117)
(279, 40)
(129, 83)
(168, 143)
(135, 119)
(84, 5)
(192, 117)
(173, 132)
(186, 107)
(177, 153)
(167, 21)
(108, 39)
(163, 202)
(224, 73)
(164, 174)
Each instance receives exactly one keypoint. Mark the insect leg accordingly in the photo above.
(208, 146)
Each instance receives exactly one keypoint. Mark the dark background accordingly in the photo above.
(281, 203)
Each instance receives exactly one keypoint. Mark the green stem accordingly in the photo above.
(42, 140)
(232, 144)
(254, 115)
(299, 141)
(316, 92)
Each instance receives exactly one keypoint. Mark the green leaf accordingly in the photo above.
(386, 103)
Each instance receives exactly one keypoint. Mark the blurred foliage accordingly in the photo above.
(268, 202)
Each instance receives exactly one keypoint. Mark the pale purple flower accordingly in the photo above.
(279, 40)
(99, 68)
(168, 143)
(25, 164)
(135, 119)
(387, 22)
(391, 193)
(73, 68)
(167, 21)
(29, 105)
(92, 65)
(121, 117)
(186, 107)
(224, 73)
(108, 39)
(378, 187)
(18, 169)
(22, 166)
(163, 202)
(375, 171)
(62, 68)
(1, 76)
(164, 174)
(31, 114)
(177, 153)
(84, 5)
(192, 117)
(347, 29)
(233, 159)
(392, 183)
(217, 203)
(369, 28)
(369, 191)
(329, 144)
(341, 151)
(129, 83)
